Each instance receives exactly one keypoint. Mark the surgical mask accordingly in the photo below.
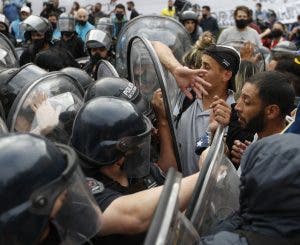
(276, 33)
(119, 16)
(95, 58)
(81, 22)
(241, 24)
(38, 44)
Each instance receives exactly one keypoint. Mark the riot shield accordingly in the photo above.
(262, 51)
(8, 55)
(168, 223)
(47, 107)
(147, 73)
(155, 28)
(217, 190)
(3, 128)
(106, 69)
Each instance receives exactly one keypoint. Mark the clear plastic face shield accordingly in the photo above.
(8, 58)
(136, 151)
(35, 23)
(154, 28)
(48, 107)
(68, 205)
(104, 24)
(143, 71)
(3, 127)
(94, 38)
(66, 24)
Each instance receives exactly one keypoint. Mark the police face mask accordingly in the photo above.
(95, 58)
(241, 24)
(38, 43)
(54, 25)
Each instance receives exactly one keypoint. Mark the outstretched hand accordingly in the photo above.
(188, 79)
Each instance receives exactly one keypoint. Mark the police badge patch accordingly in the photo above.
(95, 186)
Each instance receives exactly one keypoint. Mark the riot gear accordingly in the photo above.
(189, 15)
(154, 28)
(118, 87)
(13, 80)
(107, 129)
(47, 107)
(54, 195)
(37, 24)
(105, 25)
(8, 55)
(81, 76)
(66, 23)
(97, 39)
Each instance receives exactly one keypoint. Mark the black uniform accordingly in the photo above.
(74, 45)
(106, 191)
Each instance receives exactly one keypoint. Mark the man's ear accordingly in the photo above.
(227, 75)
(272, 111)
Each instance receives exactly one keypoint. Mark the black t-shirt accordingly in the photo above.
(106, 190)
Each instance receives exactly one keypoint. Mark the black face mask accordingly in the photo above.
(54, 25)
(68, 34)
(128, 8)
(81, 22)
(170, 8)
(276, 33)
(38, 44)
(241, 24)
(95, 58)
(204, 16)
(119, 16)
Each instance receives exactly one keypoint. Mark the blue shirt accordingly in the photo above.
(15, 30)
(83, 30)
(56, 34)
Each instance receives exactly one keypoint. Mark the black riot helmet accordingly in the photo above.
(97, 39)
(34, 183)
(118, 87)
(37, 24)
(13, 80)
(189, 15)
(80, 75)
(107, 129)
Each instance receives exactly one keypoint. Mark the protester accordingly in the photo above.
(82, 26)
(208, 23)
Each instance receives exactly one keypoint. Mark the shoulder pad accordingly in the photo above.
(95, 186)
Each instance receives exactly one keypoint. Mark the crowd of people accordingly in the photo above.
(84, 156)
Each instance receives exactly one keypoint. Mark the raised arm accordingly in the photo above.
(186, 78)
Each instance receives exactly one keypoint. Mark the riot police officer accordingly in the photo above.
(38, 33)
(69, 39)
(98, 45)
(118, 87)
(55, 206)
(190, 21)
(113, 140)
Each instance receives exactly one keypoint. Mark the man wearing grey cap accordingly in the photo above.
(219, 66)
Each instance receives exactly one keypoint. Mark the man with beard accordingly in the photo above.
(207, 22)
(83, 26)
(266, 99)
(241, 31)
(130, 7)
